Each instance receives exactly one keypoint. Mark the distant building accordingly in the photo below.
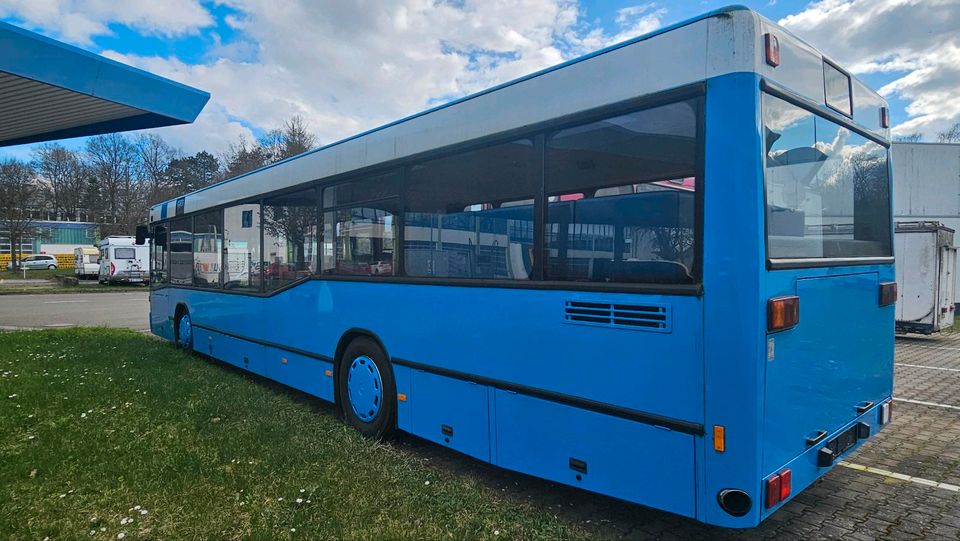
(53, 237)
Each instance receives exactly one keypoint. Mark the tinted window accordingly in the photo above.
(124, 253)
(360, 240)
(621, 198)
(181, 251)
(207, 249)
(289, 238)
(471, 215)
(827, 188)
(241, 230)
(836, 86)
(159, 262)
(362, 189)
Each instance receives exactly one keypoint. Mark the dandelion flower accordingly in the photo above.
(299, 500)
(121, 535)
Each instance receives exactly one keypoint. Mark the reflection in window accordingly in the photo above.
(181, 252)
(828, 192)
(621, 198)
(360, 240)
(471, 215)
(289, 238)
(241, 229)
(159, 262)
(207, 248)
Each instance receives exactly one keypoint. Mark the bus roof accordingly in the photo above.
(681, 54)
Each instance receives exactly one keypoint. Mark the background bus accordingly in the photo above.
(635, 273)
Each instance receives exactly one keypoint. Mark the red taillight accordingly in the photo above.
(113, 270)
(888, 293)
(773, 491)
(778, 488)
(772, 45)
(786, 476)
(782, 313)
(884, 117)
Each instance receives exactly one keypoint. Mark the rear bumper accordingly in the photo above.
(805, 468)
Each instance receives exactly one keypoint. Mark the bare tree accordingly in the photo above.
(289, 141)
(909, 138)
(242, 157)
(113, 159)
(952, 135)
(18, 193)
(153, 157)
(63, 178)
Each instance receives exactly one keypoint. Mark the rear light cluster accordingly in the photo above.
(778, 488)
(886, 412)
(782, 313)
(888, 293)
(113, 269)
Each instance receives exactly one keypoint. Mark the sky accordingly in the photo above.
(347, 66)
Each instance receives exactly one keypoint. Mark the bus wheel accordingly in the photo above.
(185, 332)
(366, 388)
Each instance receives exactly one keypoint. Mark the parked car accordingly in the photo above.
(36, 262)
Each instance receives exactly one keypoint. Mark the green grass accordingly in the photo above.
(34, 290)
(98, 426)
(35, 274)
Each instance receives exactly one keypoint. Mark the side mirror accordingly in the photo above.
(142, 234)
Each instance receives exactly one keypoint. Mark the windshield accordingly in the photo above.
(827, 188)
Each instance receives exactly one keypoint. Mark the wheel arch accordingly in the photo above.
(180, 309)
(349, 336)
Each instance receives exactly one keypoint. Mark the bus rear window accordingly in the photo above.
(827, 188)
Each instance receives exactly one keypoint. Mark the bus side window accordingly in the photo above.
(620, 198)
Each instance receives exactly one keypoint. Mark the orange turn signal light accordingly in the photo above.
(328, 373)
(782, 313)
(772, 45)
(719, 439)
(401, 397)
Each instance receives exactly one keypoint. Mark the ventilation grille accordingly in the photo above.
(641, 317)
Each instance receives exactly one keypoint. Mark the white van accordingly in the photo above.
(123, 260)
(86, 262)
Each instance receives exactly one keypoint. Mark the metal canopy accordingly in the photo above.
(50, 90)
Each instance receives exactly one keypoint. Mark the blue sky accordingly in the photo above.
(348, 66)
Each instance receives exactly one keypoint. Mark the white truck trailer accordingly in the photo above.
(926, 269)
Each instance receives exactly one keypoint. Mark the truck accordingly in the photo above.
(926, 270)
(122, 260)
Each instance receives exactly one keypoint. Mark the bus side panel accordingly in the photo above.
(300, 372)
(734, 307)
(625, 459)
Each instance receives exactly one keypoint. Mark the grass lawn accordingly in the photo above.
(35, 274)
(34, 290)
(108, 432)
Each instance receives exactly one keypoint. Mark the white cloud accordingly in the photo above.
(343, 66)
(915, 40)
(77, 21)
(347, 66)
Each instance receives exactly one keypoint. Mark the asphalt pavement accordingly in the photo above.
(50, 311)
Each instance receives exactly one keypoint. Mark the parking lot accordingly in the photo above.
(901, 485)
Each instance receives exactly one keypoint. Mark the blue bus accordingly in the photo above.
(661, 272)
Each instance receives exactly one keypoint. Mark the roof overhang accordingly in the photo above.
(50, 90)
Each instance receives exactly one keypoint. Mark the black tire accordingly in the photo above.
(51, 267)
(385, 420)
